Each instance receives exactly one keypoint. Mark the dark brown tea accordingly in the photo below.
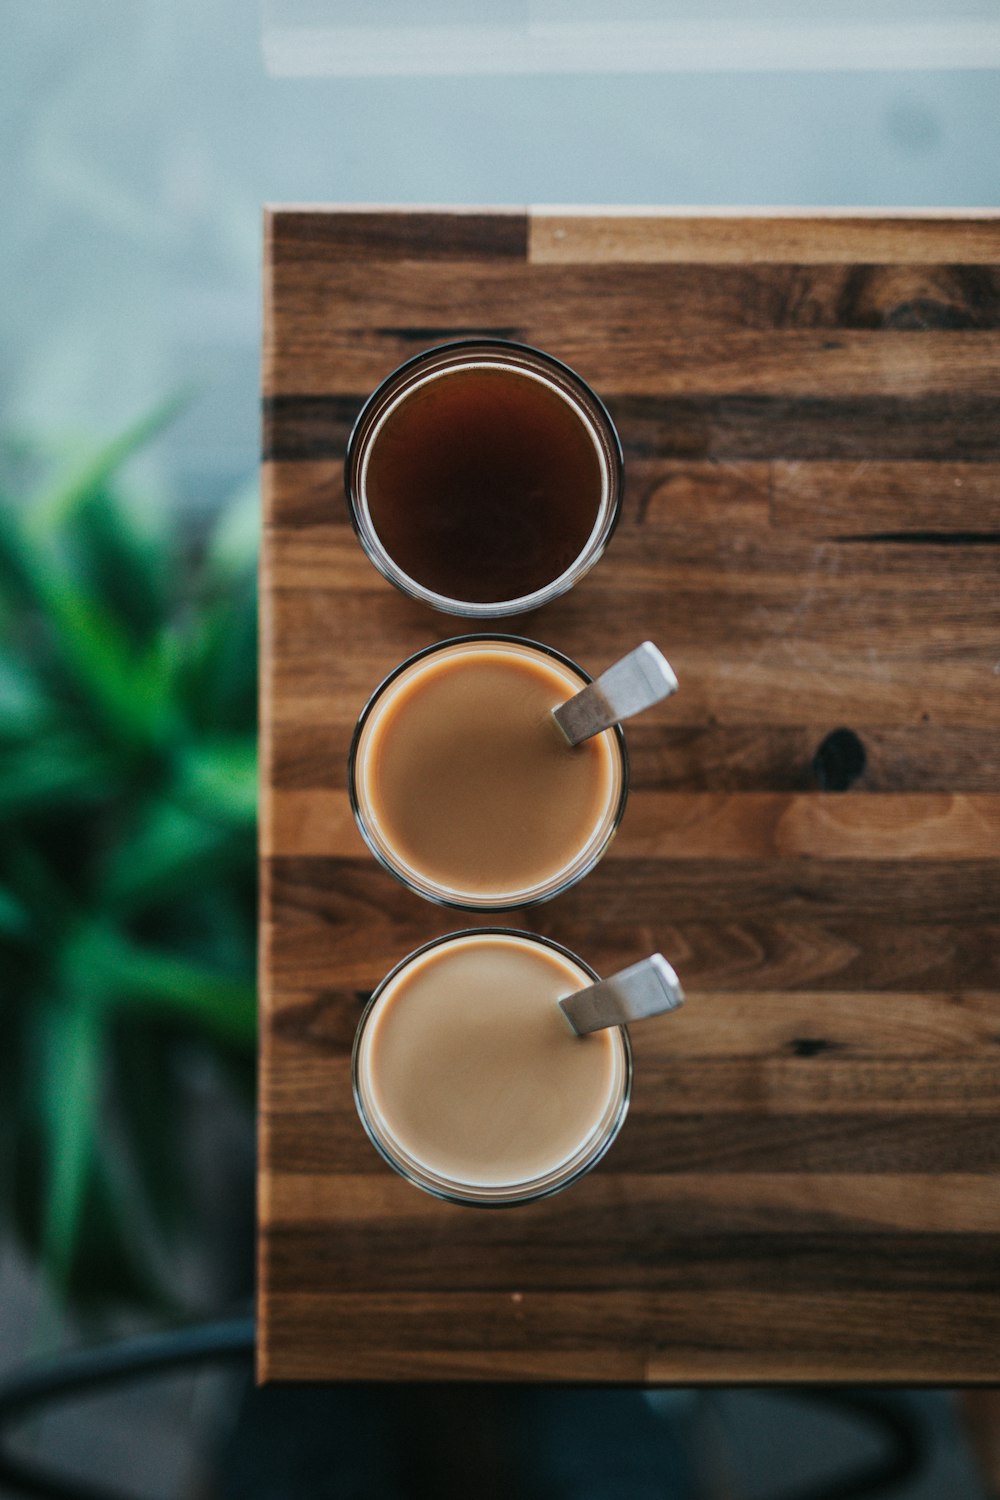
(484, 484)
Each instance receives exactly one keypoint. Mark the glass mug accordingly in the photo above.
(469, 1080)
(484, 478)
(464, 787)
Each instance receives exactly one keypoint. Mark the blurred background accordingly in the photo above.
(138, 144)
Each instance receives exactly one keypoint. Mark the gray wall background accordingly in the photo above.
(138, 142)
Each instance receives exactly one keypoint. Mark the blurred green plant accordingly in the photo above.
(127, 863)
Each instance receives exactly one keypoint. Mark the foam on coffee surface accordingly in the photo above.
(469, 1068)
(471, 786)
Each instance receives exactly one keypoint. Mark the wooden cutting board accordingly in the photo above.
(808, 1185)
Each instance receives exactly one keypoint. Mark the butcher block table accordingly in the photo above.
(807, 1185)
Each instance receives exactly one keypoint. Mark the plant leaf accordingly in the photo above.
(15, 919)
(234, 544)
(70, 1084)
(164, 984)
(125, 558)
(169, 850)
(127, 855)
(111, 1264)
(41, 890)
(25, 707)
(93, 653)
(219, 777)
(147, 1098)
(50, 513)
(61, 770)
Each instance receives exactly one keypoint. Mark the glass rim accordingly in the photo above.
(500, 1196)
(436, 894)
(589, 408)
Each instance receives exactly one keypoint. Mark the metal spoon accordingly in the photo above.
(634, 683)
(644, 989)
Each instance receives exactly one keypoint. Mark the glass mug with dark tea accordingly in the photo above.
(484, 478)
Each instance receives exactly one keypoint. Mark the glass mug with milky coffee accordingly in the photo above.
(464, 786)
(484, 478)
(469, 1080)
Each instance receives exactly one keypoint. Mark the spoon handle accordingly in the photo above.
(644, 989)
(637, 681)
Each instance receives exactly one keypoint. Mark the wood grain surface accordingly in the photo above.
(808, 1185)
